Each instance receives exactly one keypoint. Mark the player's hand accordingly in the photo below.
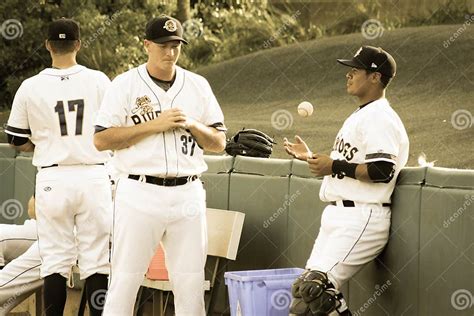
(298, 150)
(31, 208)
(169, 119)
(320, 165)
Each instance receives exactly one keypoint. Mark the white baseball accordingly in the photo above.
(305, 109)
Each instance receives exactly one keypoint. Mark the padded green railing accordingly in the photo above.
(425, 269)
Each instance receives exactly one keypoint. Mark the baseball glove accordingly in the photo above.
(251, 143)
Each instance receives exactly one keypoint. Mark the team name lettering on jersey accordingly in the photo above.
(344, 148)
(143, 111)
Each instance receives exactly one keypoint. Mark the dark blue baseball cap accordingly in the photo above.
(372, 59)
(63, 30)
(163, 29)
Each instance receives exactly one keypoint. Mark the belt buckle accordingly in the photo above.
(166, 182)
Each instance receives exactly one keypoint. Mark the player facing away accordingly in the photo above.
(158, 118)
(52, 114)
(359, 177)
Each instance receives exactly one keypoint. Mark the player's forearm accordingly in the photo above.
(362, 174)
(116, 138)
(208, 138)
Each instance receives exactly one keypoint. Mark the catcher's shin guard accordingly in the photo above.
(314, 294)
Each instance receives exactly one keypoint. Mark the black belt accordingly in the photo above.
(167, 182)
(349, 203)
(56, 165)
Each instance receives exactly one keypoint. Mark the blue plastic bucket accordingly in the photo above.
(261, 292)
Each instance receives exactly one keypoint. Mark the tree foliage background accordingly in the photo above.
(112, 31)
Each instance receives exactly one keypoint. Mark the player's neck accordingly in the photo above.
(371, 96)
(164, 74)
(63, 61)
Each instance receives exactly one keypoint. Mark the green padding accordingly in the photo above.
(447, 251)
(217, 190)
(395, 272)
(300, 168)
(450, 178)
(6, 151)
(304, 218)
(7, 182)
(218, 164)
(25, 176)
(264, 201)
(412, 175)
(262, 166)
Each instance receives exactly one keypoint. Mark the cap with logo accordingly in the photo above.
(373, 59)
(163, 29)
(63, 30)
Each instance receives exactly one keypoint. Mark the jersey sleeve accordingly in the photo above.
(212, 114)
(382, 138)
(104, 84)
(113, 108)
(18, 124)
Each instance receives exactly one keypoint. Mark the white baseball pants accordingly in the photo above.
(144, 215)
(349, 238)
(72, 198)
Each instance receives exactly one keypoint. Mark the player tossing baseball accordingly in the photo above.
(359, 177)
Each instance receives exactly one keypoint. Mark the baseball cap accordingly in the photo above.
(164, 29)
(372, 59)
(63, 30)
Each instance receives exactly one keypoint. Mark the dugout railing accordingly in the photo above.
(426, 269)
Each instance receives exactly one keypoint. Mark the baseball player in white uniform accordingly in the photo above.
(359, 177)
(52, 114)
(158, 118)
(20, 261)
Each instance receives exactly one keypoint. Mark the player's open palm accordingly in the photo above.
(299, 149)
(169, 119)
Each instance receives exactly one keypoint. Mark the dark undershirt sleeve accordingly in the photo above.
(17, 140)
(381, 171)
(219, 126)
(99, 128)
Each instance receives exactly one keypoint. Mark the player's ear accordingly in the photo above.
(78, 45)
(146, 44)
(46, 44)
(376, 77)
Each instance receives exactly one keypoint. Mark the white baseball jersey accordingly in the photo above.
(134, 98)
(56, 109)
(372, 133)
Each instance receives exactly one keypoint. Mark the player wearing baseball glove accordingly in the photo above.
(251, 143)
